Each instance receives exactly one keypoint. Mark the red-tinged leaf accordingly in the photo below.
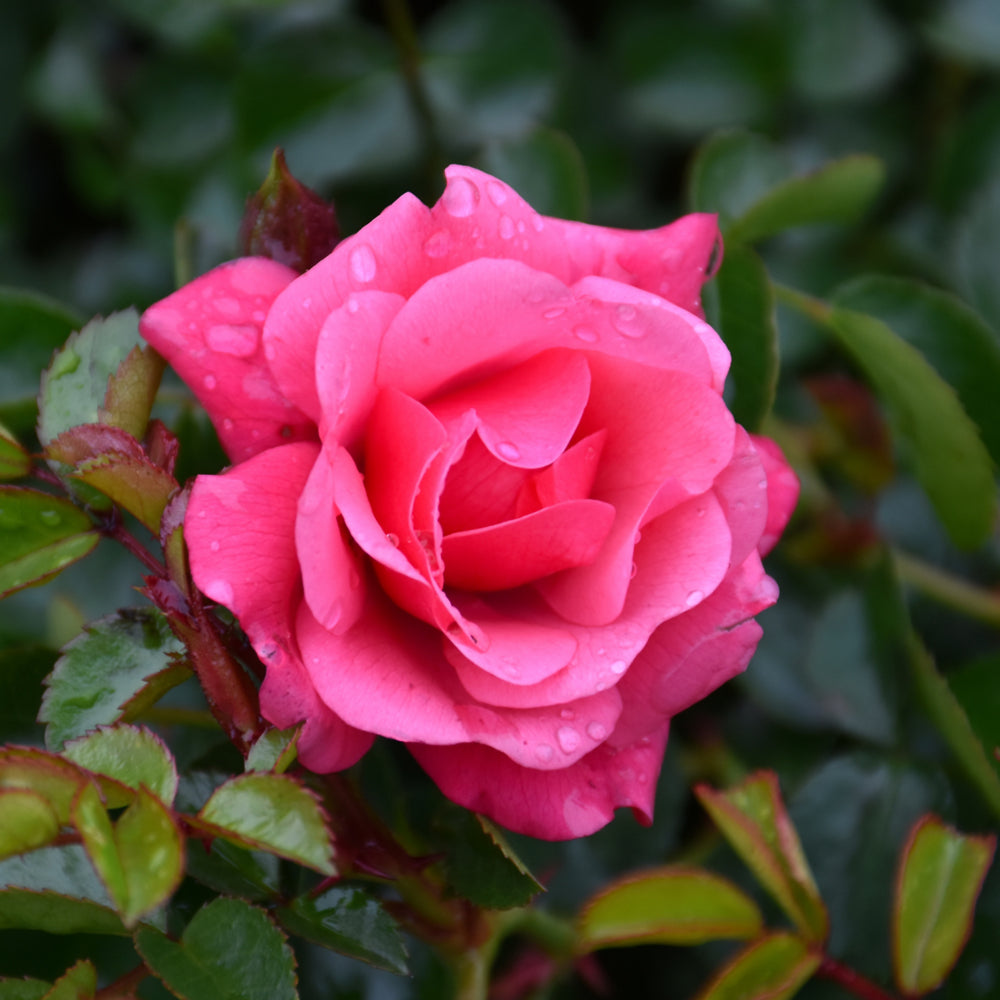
(132, 389)
(29, 821)
(940, 876)
(40, 535)
(162, 446)
(79, 982)
(752, 817)
(56, 780)
(15, 461)
(130, 756)
(270, 812)
(87, 441)
(773, 968)
(172, 541)
(669, 905)
(136, 484)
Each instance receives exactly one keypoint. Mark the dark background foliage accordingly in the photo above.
(132, 133)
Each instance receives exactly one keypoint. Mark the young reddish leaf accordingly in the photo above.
(79, 982)
(172, 541)
(88, 441)
(117, 667)
(56, 780)
(275, 750)
(136, 484)
(40, 535)
(270, 812)
(941, 872)
(14, 460)
(162, 446)
(29, 821)
(229, 951)
(350, 921)
(670, 905)
(132, 756)
(772, 968)
(131, 391)
(753, 819)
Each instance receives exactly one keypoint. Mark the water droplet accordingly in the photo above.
(227, 424)
(497, 192)
(596, 730)
(600, 652)
(214, 545)
(362, 263)
(600, 685)
(239, 341)
(695, 597)
(521, 227)
(460, 198)
(50, 517)
(544, 752)
(628, 322)
(568, 714)
(632, 572)
(508, 451)
(506, 227)
(586, 334)
(554, 313)
(568, 739)
(392, 539)
(762, 485)
(209, 381)
(437, 244)
(537, 223)
(619, 667)
(307, 302)
(642, 778)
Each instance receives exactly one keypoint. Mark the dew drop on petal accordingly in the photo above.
(544, 752)
(695, 597)
(508, 451)
(209, 382)
(554, 313)
(497, 192)
(619, 667)
(437, 244)
(362, 263)
(568, 714)
(460, 198)
(240, 341)
(227, 424)
(506, 227)
(392, 539)
(214, 545)
(586, 334)
(568, 739)
(628, 323)
(596, 730)
(632, 572)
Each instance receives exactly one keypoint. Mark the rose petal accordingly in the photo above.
(738, 488)
(559, 804)
(782, 491)
(570, 477)
(508, 555)
(479, 490)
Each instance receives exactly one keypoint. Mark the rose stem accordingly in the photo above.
(852, 981)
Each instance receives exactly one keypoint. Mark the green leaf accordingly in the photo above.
(940, 876)
(481, 866)
(131, 755)
(75, 384)
(118, 667)
(23, 989)
(140, 858)
(670, 905)
(15, 461)
(745, 321)
(55, 779)
(55, 889)
(271, 812)
(773, 968)
(234, 871)
(229, 951)
(350, 921)
(976, 686)
(79, 982)
(545, 168)
(137, 485)
(952, 464)
(29, 821)
(963, 350)
(753, 819)
(275, 750)
(40, 535)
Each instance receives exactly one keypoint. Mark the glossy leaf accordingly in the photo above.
(752, 817)
(29, 821)
(40, 535)
(79, 982)
(130, 755)
(773, 968)
(670, 905)
(940, 876)
(963, 350)
(50, 776)
(229, 951)
(951, 462)
(55, 889)
(481, 865)
(75, 384)
(15, 461)
(114, 670)
(275, 750)
(350, 921)
(745, 306)
(271, 812)
(234, 871)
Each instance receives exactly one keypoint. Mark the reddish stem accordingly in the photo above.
(112, 527)
(852, 981)
(123, 988)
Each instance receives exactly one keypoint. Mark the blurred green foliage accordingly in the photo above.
(129, 130)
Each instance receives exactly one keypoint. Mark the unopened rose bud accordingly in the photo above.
(288, 222)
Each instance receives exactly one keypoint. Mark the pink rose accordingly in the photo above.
(485, 498)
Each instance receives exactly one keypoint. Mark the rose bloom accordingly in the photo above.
(485, 498)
